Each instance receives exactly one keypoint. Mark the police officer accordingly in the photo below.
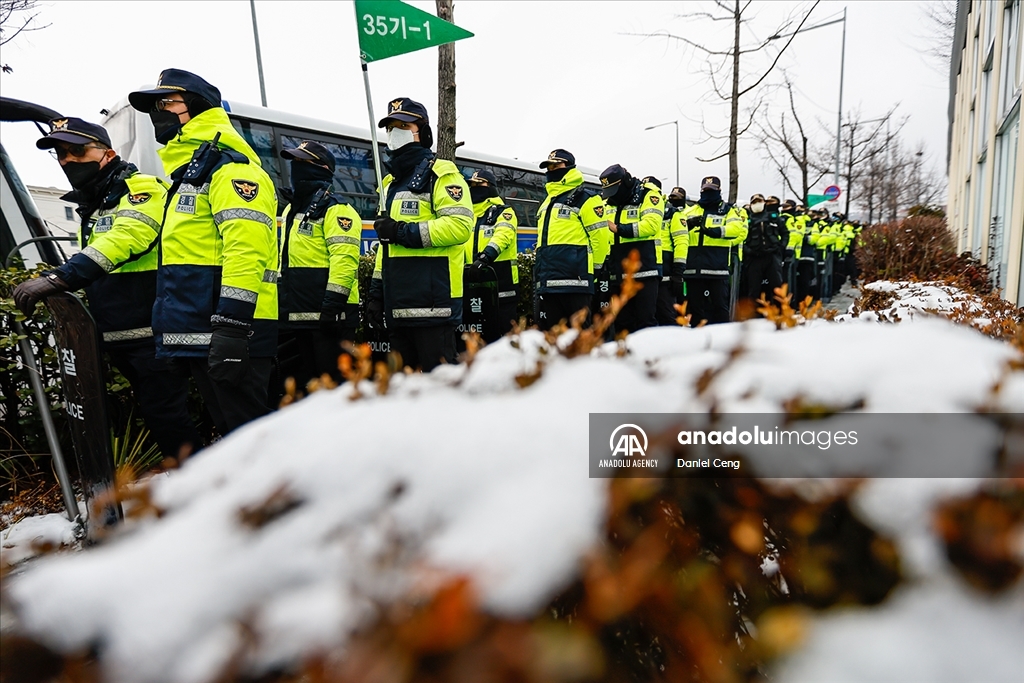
(495, 244)
(634, 214)
(714, 226)
(787, 216)
(675, 244)
(318, 289)
(427, 219)
(568, 224)
(764, 248)
(806, 264)
(216, 304)
(120, 212)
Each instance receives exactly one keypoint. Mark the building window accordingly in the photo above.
(68, 213)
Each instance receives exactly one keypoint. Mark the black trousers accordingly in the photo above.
(162, 395)
(306, 354)
(424, 348)
(233, 405)
(806, 279)
(669, 294)
(508, 311)
(640, 311)
(761, 267)
(708, 300)
(549, 309)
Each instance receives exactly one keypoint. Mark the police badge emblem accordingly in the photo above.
(345, 223)
(140, 198)
(454, 191)
(246, 189)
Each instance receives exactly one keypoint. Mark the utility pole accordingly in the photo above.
(446, 88)
(259, 57)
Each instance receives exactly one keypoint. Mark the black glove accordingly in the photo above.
(387, 229)
(229, 350)
(676, 275)
(694, 222)
(329, 322)
(375, 314)
(712, 232)
(31, 291)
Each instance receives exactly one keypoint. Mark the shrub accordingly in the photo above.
(920, 247)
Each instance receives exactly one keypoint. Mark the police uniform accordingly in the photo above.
(714, 227)
(428, 218)
(216, 303)
(494, 244)
(120, 212)
(675, 244)
(318, 290)
(637, 210)
(569, 221)
(765, 246)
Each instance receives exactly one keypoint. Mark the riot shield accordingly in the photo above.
(81, 365)
(479, 305)
(734, 282)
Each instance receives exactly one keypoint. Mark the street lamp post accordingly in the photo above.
(259, 57)
(842, 70)
(676, 124)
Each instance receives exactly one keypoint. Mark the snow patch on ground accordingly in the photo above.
(28, 537)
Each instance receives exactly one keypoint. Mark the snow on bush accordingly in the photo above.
(301, 525)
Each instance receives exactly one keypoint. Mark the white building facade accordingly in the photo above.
(59, 215)
(986, 154)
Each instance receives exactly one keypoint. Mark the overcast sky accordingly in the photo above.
(536, 76)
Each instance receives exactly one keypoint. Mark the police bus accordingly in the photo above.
(269, 131)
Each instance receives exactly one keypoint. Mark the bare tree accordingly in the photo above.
(865, 139)
(727, 61)
(17, 16)
(939, 25)
(786, 142)
(446, 88)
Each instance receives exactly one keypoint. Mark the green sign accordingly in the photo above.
(389, 27)
(815, 199)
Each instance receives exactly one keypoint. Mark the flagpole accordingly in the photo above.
(373, 136)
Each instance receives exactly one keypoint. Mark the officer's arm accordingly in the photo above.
(342, 227)
(133, 233)
(735, 228)
(505, 232)
(455, 220)
(680, 237)
(652, 210)
(593, 221)
(247, 230)
(376, 292)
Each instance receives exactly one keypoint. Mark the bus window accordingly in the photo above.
(261, 138)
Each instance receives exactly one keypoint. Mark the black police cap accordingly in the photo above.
(483, 175)
(405, 109)
(652, 180)
(73, 131)
(174, 81)
(559, 156)
(612, 179)
(309, 150)
(678, 192)
(712, 182)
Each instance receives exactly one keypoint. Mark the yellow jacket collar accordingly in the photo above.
(569, 181)
(198, 130)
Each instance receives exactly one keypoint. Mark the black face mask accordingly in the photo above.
(710, 198)
(556, 175)
(677, 202)
(623, 194)
(166, 125)
(305, 172)
(81, 174)
(479, 193)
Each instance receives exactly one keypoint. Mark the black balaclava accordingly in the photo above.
(676, 201)
(710, 199)
(307, 178)
(404, 160)
(479, 193)
(557, 174)
(90, 192)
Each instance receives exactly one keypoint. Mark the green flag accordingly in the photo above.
(815, 199)
(390, 27)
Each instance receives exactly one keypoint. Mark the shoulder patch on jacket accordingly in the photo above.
(246, 189)
(655, 199)
(599, 210)
(344, 223)
(454, 191)
(139, 198)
